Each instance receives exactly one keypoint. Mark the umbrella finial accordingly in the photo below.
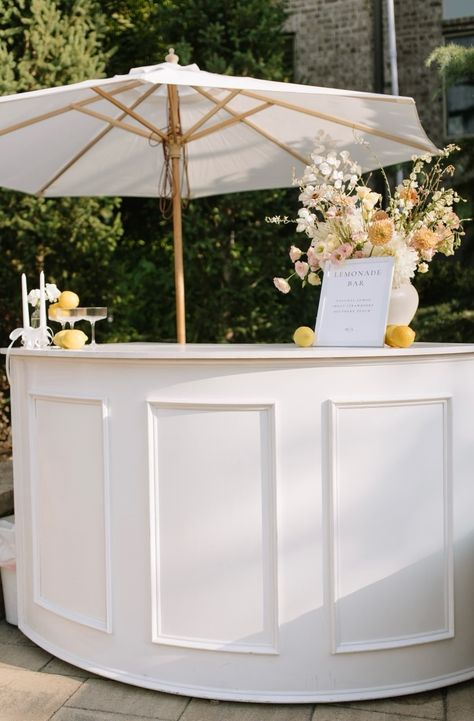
(172, 57)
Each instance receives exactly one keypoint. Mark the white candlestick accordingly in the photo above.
(24, 302)
(42, 306)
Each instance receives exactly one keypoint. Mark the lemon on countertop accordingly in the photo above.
(399, 336)
(304, 336)
(68, 300)
(58, 338)
(72, 339)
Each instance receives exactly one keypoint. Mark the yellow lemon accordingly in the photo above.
(68, 300)
(52, 311)
(400, 336)
(58, 338)
(304, 336)
(388, 333)
(73, 339)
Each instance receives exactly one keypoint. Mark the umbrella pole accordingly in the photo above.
(175, 153)
(175, 150)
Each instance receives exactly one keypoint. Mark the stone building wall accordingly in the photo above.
(334, 47)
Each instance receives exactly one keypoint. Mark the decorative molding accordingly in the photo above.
(269, 543)
(101, 624)
(334, 408)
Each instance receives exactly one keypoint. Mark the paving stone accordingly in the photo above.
(13, 635)
(66, 669)
(429, 705)
(346, 713)
(79, 714)
(102, 695)
(460, 702)
(201, 710)
(30, 696)
(28, 657)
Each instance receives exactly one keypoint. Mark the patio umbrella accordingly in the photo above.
(176, 129)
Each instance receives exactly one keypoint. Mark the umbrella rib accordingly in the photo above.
(128, 110)
(230, 121)
(340, 121)
(111, 123)
(114, 122)
(187, 136)
(241, 117)
(60, 111)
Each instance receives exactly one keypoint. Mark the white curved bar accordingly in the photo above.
(262, 523)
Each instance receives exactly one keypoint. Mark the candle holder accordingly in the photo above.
(34, 335)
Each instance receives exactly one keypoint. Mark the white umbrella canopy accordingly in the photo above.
(206, 133)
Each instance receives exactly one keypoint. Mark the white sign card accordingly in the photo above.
(353, 306)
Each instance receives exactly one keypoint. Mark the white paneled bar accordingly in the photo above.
(256, 522)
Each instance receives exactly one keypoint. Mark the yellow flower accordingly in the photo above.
(313, 279)
(381, 231)
(424, 239)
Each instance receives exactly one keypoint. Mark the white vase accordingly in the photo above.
(403, 304)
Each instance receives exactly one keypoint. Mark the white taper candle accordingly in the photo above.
(42, 305)
(24, 302)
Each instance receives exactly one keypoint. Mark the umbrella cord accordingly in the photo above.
(165, 182)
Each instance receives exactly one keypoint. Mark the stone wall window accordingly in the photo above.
(460, 99)
(457, 9)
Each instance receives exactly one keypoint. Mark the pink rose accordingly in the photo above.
(313, 258)
(295, 253)
(301, 269)
(282, 285)
(341, 253)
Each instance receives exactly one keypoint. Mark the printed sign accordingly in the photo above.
(353, 305)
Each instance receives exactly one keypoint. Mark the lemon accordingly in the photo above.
(399, 336)
(388, 333)
(52, 311)
(68, 300)
(58, 338)
(304, 336)
(73, 339)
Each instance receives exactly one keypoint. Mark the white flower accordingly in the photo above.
(52, 292)
(423, 268)
(406, 259)
(34, 297)
(306, 221)
(333, 160)
(309, 196)
(309, 177)
(368, 197)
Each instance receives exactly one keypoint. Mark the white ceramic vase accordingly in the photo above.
(403, 304)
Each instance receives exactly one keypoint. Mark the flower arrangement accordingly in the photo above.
(52, 294)
(343, 217)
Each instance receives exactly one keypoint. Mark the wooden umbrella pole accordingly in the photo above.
(175, 154)
(175, 151)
